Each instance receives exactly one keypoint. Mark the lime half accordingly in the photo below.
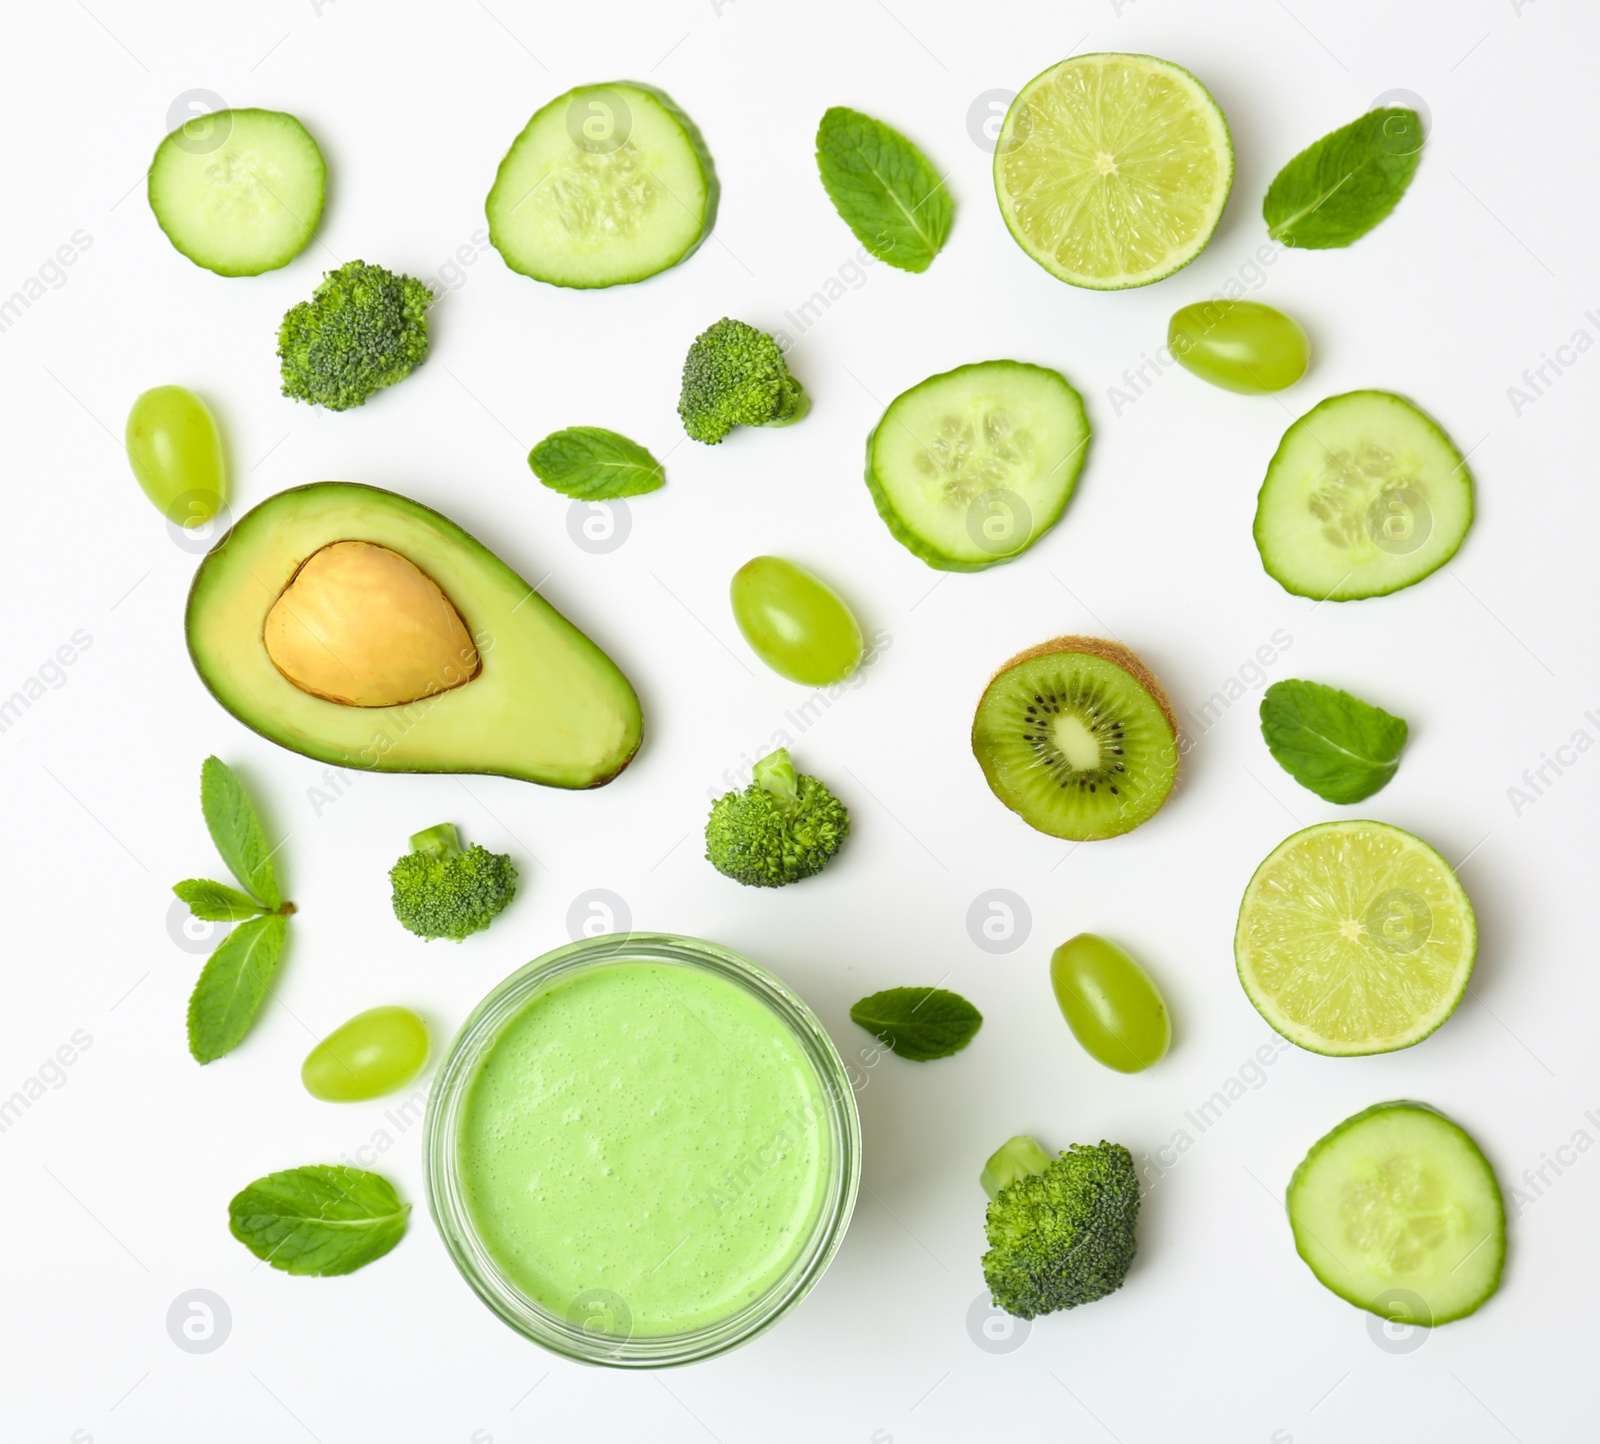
(1112, 170)
(1355, 937)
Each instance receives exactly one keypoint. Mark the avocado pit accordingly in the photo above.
(364, 626)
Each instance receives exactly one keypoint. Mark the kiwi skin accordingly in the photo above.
(1118, 656)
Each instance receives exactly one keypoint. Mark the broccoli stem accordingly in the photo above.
(437, 842)
(1015, 1158)
(775, 774)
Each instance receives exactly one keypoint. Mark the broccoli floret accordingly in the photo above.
(1061, 1230)
(735, 375)
(364, 328)
(441, 891)
(781, 828)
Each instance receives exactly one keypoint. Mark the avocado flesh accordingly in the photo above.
(547, 706)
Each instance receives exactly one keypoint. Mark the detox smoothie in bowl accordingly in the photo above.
(642, 1150)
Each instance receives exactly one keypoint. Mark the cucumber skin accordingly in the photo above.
(913, 541)
(1238, 966)
(220, 271)
(1005, 213)
(697, 143)
(1298, 1177)
(1466, 476)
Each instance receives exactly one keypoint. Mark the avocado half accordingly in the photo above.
(546, 705)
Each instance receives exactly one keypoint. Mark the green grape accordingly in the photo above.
(795, 622)
(176, 452)
(373, 1054)
(1239, 345)
(1111, 1005)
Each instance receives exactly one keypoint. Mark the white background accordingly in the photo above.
(115, 1184)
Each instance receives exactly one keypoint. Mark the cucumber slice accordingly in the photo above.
(1398, 1211)
(1364, 496)
(238, 191)
(971, 467)
(606, 184)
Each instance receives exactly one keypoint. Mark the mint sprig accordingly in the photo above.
(919, 1023)
(216, 902)
(236, 831)
(884, 188)
(1339, 188)
(1340, 747)
(318, 1220)
(593, 464)
(233, 985)
(235, 979)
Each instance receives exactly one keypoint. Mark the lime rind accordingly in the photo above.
(1175, 160)
(1360, 954)
(1445, 1295)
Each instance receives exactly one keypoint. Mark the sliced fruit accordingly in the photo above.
(1398, 1211)
(1112, 170)
(1364, 496)
(378, 585)
(1077, 738)
(238, 191)
(606, 184)
(1355, 938)
(972, 466)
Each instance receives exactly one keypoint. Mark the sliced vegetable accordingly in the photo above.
(971, 467)
(238, 191)
(606, 184)
(1398, 1211)
(1365, 495)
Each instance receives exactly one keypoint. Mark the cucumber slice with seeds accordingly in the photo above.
(1398, 1211)
(238, 191)
(606, 184)
(1365, 495)
(971, 467)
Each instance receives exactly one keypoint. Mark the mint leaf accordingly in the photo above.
(236, 831)
(1340, 747)
(232, 985)
(884, 189)
(919, 1023)
(322, 1219)
(216, 902)
(593, 464)
(1337, 190)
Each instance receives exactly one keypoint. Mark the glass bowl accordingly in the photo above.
(598, 1328)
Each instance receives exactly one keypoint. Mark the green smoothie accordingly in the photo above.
(647, 1130)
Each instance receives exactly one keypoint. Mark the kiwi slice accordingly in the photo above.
(1077, 738)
